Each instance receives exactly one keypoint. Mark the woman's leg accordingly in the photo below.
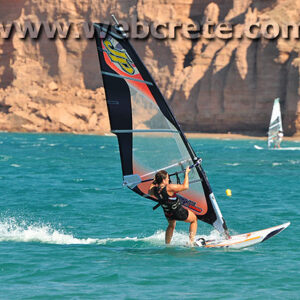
(169, 231)
(192, 219)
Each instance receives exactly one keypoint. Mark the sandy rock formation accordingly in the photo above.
(43, 109)
(212, 85)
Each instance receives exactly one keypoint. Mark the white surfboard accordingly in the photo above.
(242, 240)
(278, 149)
(287, 149)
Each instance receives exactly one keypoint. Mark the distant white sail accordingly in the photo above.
(275, 132)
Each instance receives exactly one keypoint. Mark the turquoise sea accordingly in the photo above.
(68, 230)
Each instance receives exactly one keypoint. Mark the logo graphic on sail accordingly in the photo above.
(119, 57)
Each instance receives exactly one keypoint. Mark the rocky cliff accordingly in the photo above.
(212, 84)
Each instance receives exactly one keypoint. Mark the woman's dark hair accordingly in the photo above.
(160, 176)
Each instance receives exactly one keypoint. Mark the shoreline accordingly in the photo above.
(189, 135)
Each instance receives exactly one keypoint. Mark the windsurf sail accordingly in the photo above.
(149, 137)
(275, 127)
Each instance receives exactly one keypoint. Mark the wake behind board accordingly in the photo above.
(258, 147)
(278, 149)
(243, 240)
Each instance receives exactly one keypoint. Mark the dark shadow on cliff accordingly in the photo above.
(263, 4)
(199, 6)
(289, 87)
(48, 49)
(190, 55)
(90, 66)
(5, 60)
(208, 98)
(9, 12)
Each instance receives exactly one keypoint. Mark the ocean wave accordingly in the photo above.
(15, 165)
(232, 164)
(60, 205)
(294, 162)
(5, 157)
(78, 179)
(14, 231)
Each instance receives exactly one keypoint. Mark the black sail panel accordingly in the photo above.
(150, 139)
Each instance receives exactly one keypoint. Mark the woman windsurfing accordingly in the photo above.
(165, 192)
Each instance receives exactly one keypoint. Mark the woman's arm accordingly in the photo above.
(176, 188)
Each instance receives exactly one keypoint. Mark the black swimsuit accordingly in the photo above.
(171, 205)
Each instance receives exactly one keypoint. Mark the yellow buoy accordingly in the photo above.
(228, 193)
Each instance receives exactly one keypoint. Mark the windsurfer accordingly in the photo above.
(165, 192)
(278, 139)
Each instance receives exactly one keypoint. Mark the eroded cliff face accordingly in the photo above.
(212, 85)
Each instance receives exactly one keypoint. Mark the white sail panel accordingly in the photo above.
(275, 123)
(157, 145)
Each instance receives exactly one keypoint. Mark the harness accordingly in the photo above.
(168, 203)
